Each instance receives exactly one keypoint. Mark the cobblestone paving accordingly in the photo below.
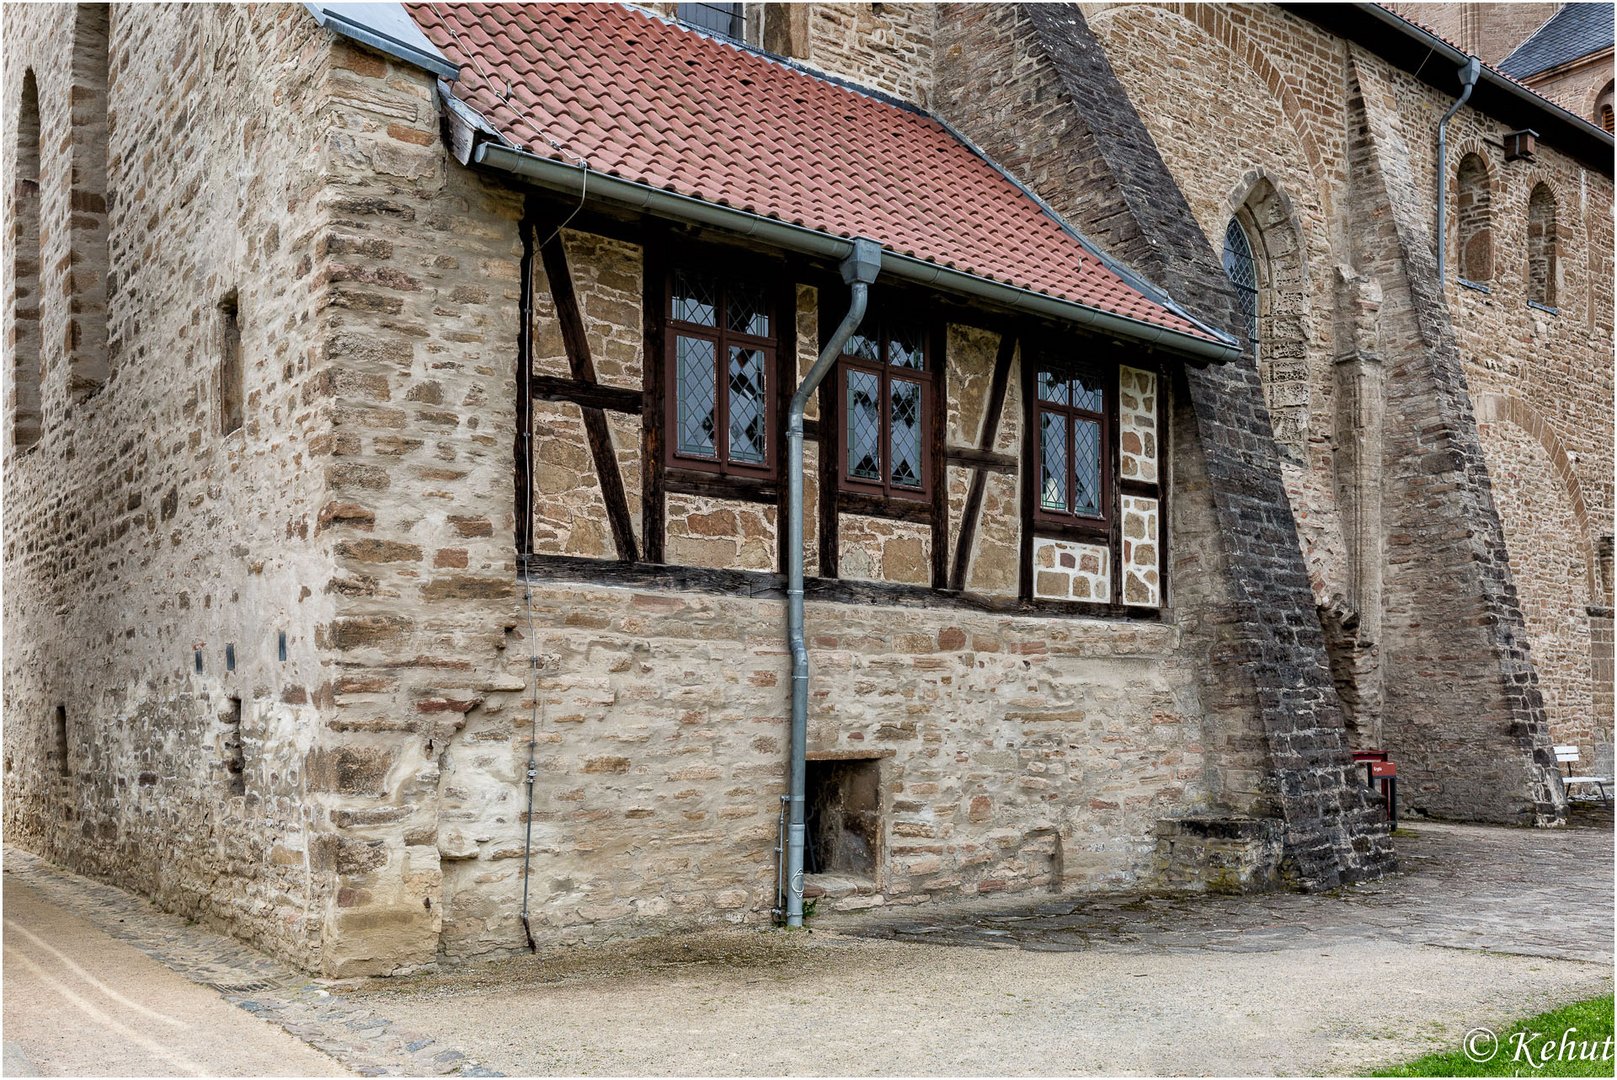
(368, 1044)
(1528, 893)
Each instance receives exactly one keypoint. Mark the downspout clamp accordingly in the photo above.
(1468, 82)
(859, 269)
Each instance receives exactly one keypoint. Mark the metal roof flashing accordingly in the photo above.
(387, 28)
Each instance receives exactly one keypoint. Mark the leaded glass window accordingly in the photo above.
(727, 20)
(886, 387)
(1243, 274)
(720, 381)
(1073, 463)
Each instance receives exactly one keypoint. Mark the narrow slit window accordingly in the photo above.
(1542, 253)
(27, 414)
(720, 375)
(59, 741)
(235, 757)
(231, 376)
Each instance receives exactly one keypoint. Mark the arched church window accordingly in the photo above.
(1243, 274)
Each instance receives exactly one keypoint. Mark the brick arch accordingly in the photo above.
(1495, 407)
(1596, 97)
(1212, 20)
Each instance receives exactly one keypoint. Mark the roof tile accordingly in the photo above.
(647, 100)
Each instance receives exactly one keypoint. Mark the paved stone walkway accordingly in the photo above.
(357, 1038)
(1519, 892)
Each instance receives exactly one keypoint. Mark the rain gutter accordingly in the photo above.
(579, 182)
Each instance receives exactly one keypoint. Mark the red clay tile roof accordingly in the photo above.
(646, 100)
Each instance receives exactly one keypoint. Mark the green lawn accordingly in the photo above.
(1546, 1045)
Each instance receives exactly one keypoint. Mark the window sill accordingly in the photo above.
(1546, 308)
(1475, 286)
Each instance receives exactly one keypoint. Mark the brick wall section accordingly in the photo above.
(134, 532)
(1330, 837)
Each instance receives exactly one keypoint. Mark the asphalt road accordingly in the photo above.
(80, 1003)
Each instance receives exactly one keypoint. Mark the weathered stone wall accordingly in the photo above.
(1262, 645)
(1490, 31)
(1014, 753)
(1343, 203)
(137, 537)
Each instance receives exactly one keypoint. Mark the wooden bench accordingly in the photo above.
(1568, 757)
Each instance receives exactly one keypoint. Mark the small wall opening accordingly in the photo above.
(88, 267)
(234, 756)
(1474, 219)
(59, 741)
(1542, 268)
(231, 379)
(26, 410)
(843, 817)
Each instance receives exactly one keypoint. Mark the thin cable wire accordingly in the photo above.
(534, 706)
(535, 703)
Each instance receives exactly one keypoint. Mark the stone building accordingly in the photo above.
(1562, 52)
(397, 469)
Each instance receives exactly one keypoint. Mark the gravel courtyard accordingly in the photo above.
(1483, 926)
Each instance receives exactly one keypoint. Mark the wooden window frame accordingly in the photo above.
(927, 378)
(722, 337)
(1105, 532)
(1061, 522)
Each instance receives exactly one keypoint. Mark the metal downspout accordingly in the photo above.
(1468, 82)
(859, 269)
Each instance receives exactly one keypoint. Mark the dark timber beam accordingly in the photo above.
(583, 367)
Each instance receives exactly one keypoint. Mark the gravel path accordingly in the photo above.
(1483, 927)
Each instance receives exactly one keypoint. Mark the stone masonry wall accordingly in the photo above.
(1063, 93)
(140, 543)
(1280, 58)
(1014, 753)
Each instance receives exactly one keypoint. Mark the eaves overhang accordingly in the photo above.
(1434, 61)
(586, 185)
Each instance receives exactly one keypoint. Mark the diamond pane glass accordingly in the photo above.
(861, 347)
(1052, 388)
(905, 349)
(864, 426)
(1086, 468)
(748, 435)
(1088, 391)
(1053, 462)
(696, 394)
(695, 298)
(905, 432)
(1243, 273)
(745, 311)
